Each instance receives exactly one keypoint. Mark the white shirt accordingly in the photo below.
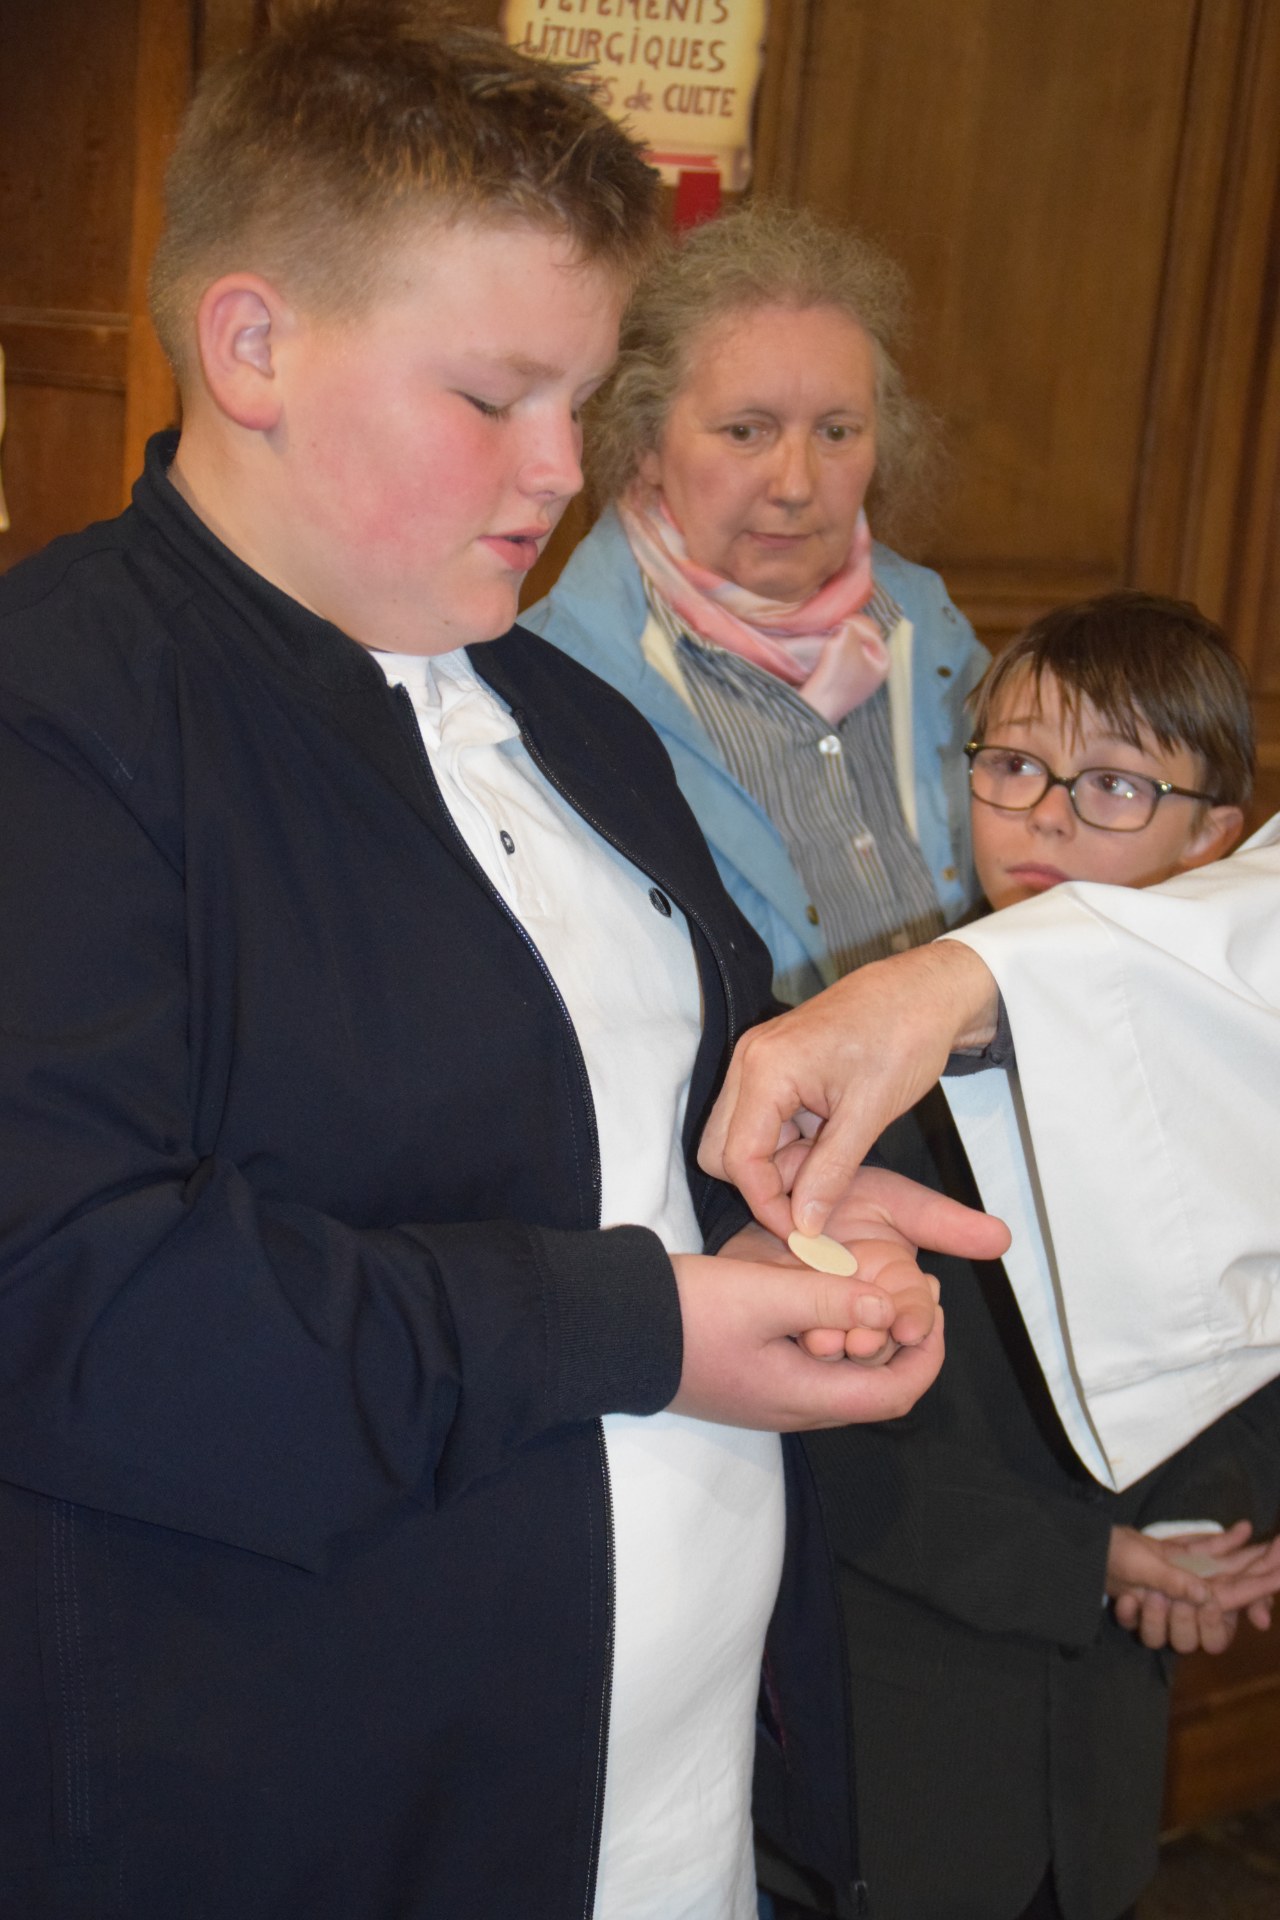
(1136, 1153)
(697, 1509)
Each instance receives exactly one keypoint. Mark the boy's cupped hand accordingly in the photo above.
(770, 1343)
(1188, 1592)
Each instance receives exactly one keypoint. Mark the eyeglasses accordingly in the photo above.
(1105, 797)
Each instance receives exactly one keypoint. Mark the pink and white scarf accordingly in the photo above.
(825, 647)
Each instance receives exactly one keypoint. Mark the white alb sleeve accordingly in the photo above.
(1135, 1151)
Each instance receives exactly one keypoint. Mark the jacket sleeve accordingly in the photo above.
(1096, 979)
(950, 1525)
(177, 1344)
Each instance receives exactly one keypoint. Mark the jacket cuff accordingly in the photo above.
(615, 1340)
(998, 1052)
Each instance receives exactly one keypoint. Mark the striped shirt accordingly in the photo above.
(831, 791)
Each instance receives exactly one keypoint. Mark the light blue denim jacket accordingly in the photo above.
(597, 612)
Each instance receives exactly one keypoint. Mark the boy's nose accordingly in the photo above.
(1053, 812)
(554, 466)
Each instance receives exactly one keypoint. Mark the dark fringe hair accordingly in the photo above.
(1144, 663)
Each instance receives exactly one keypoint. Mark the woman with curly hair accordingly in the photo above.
(807, 681)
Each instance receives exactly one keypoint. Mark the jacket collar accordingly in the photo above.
(298, 639)
(522, 668)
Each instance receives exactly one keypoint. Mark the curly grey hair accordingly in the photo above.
(762, 254)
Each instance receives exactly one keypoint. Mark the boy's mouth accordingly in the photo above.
(1041, 878)
(518, 550)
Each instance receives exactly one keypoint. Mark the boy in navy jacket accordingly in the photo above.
(325, 1300)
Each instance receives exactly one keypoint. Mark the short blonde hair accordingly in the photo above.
(761, 255)
(309, 157)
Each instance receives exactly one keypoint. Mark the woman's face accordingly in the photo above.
(770, 446)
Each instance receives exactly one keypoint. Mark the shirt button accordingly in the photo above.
(944, 673)
(508, 844)
(660, 902)
(830, 743)
(864, 843)
(948, 873)
(811, 915)
(900, 942)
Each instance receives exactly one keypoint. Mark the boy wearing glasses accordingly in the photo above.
(1112, 742)
(1010, 1731)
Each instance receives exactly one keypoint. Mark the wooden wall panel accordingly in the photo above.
(1085, 198)
(1224, 1748)
(61, 460)
(66, 110)
(165, 77)
(1206, 492)
(1020, 162)
(90, 93)
(66, 115)
(61, 448)
(1244, 551)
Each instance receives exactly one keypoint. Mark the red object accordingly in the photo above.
(697, 197)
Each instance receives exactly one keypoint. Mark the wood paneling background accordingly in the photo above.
(1086, 196)
(91, 92)
(89, 97)
(67, 110)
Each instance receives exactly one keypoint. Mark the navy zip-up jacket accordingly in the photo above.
(306, 1318)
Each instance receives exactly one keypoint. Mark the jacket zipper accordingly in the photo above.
(606, 1698)
(731, 1028)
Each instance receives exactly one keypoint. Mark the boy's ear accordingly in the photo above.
(1216, 834)
(240, 322)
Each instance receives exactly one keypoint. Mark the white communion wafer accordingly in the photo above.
(823, 1254)
(1205, 1564)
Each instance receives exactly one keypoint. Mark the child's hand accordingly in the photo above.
(899, 1304)
(745, 1315)
(1168, 1602)
(1252, 1583)
(912, 1300)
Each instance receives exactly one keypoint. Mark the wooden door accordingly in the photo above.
(1085, 198)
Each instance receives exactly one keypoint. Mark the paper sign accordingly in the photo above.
(679, 74)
